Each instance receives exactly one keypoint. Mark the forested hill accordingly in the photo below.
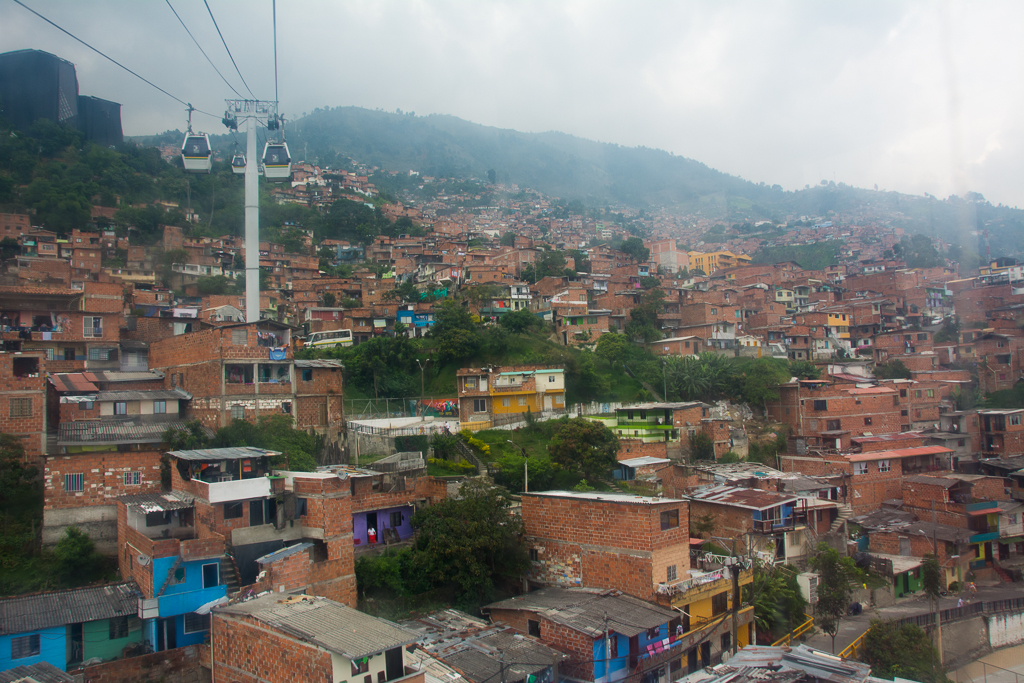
(569, 167)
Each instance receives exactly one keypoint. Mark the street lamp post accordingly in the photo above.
(526, 466)
(422, 367)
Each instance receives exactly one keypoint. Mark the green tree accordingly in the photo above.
(903, 651)
(614, 348)
(643, 318)
(804, 369)
(76, 556)
(519, 321)
(277, 433)
(701, 447)
(894, 369)
(328, 299)
(703, 525)
(837, 575)
(9, 248)
(759, 381)
(635, 249)
(470, 542)
(584, 446)
(508, 239)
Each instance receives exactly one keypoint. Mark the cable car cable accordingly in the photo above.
(201, 48)
(111, 59)
(273, 9)
(228, 49)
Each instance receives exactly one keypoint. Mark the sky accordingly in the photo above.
(916, 97)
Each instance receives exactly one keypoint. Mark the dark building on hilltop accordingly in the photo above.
(100, 120)
(38, 85)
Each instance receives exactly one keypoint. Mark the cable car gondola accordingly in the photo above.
(276, 161)
(196, 153)
(238, 163)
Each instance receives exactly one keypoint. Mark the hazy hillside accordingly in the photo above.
(569, 167)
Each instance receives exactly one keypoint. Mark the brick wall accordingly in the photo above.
(103, 477)
(636, 448)
(247, 651)
(15, 390)
(578, 646)
(867, 491)
(181, 665)
(605, 544)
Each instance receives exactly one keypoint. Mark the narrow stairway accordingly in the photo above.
(845, 512)
(1003, 574)
(229, 574)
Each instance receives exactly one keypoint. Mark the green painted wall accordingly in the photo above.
(97, 642)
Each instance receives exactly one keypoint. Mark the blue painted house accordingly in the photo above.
(609, 636)
(66, 628)
(177, 572)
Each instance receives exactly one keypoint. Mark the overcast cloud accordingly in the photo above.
(913, 96)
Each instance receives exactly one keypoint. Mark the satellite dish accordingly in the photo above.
(142, 560)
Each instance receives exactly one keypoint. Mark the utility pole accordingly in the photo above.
(734, 570)
(607, 648)
(252, 223)
(938, 612)
(526, 466)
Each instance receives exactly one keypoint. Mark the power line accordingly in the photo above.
(228, 49)
(201, 49)
(111, 59)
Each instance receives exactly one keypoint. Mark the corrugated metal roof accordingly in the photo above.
(42, 672)
(584, 610)
(109, 432)
(318, 363)
(899, 453)
(626, 498)
(753, 499)
(117, 376)
(234, 453)
(76, 606)
(72, 382)
(644, 460)
(328, 624)
(283, 553)
(155, 502)
(144, 395)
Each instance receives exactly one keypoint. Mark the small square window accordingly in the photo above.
(197, 623)
(159, 407)
(307, 375)
(120, 408)
(237, 412)
(534, 555)
(669, 519)
(671, 573)
(533, 628)
(118, 628)
(232, 510)
(132, 478)
(867, 421)
(74, 482)
(860, 468)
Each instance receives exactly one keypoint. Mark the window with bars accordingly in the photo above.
(237, 412)
(20, 407)
(25, 646)
(194, 623)
(132, 478)
(74, 482)
(92, 326)
(671, 573)
(118, 628)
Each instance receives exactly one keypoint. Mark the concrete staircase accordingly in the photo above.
(1003, 574)
(466, 452)
(845, 512)
(229, 574)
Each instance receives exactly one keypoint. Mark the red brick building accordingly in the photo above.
(605, 540)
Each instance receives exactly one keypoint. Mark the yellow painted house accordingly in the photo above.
(488, 393)
(709, 262)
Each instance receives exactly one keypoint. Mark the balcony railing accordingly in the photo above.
(770, 526)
